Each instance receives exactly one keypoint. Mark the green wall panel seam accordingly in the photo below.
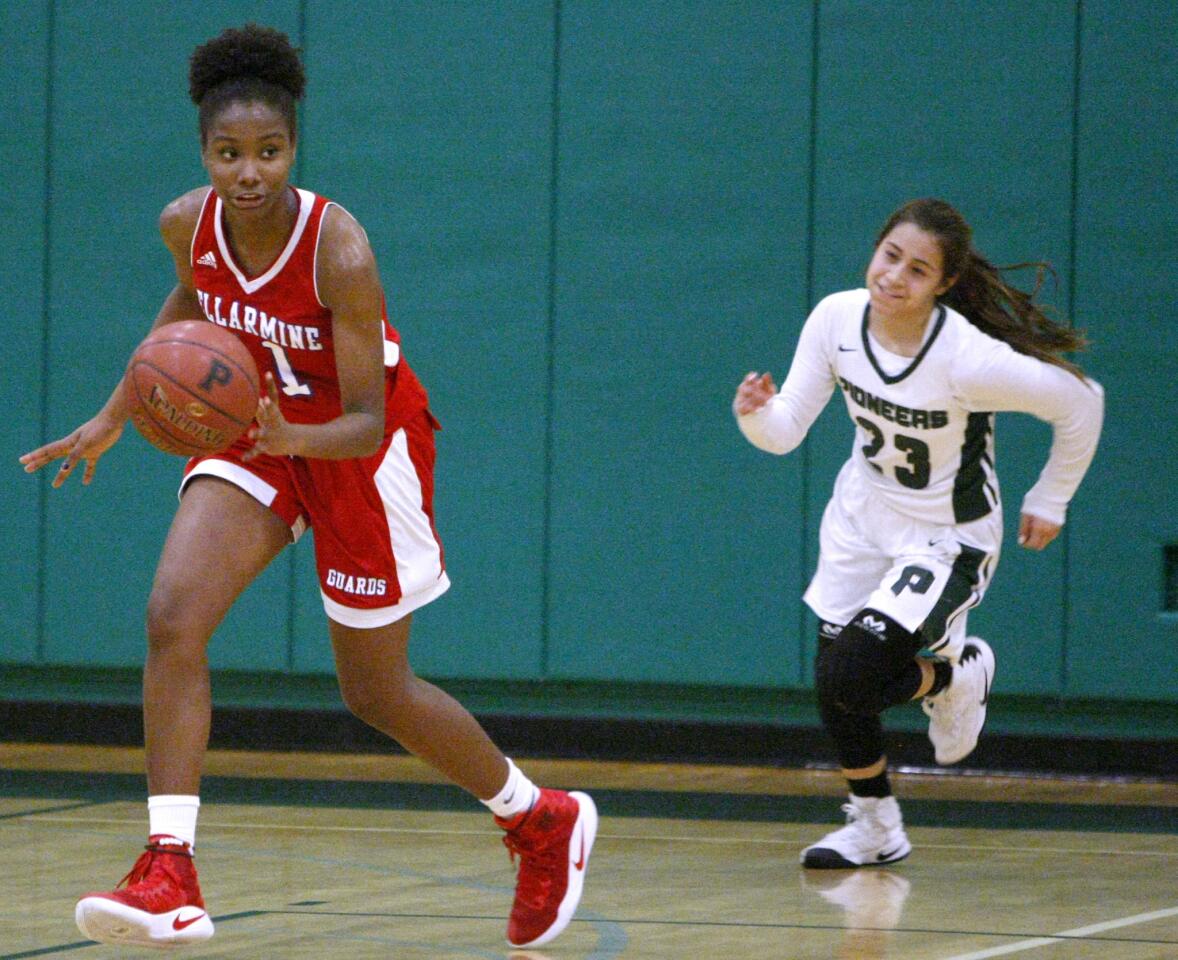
(46, 288)
(811, 219)
(1073, 237)
(300, 108)
(550, 345)
(291, 558)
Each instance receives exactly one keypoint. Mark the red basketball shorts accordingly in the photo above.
(376, 550)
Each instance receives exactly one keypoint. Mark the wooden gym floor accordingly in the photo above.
(317, 856)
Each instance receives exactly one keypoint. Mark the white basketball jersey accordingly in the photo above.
(924, 425)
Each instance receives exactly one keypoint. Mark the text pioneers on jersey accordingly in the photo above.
(894, 412)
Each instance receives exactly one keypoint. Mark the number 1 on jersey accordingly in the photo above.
(290, 383)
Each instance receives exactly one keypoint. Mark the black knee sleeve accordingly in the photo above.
(853, 670)
(858, 739)
(856, 674)
(827, 633)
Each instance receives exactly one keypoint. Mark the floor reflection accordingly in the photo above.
(872, 901)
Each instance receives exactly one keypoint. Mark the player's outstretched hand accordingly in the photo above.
(272, 433)
(1035, 533)
(755, 390)
(88, 442)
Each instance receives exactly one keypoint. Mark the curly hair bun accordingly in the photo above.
(252, 52)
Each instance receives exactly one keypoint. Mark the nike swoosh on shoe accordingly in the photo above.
(179, 924)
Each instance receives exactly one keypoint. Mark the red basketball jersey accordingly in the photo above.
(279, 317)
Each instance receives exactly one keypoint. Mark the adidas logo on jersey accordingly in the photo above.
(207, 260)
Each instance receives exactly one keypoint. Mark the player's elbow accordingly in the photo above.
(770, 441)
(367, 433)
(778, 446)
(373, 434)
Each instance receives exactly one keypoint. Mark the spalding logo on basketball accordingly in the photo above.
(192, 387)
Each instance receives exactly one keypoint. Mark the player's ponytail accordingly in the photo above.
(981, 294)
(253, 63)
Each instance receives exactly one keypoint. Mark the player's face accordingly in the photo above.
(905, 275)
(248, 154)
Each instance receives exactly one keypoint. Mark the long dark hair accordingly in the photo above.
(979, 292)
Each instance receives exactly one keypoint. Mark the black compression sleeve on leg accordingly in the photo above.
(858, 739)
(858, 675)
(903, 687)
(863, 668)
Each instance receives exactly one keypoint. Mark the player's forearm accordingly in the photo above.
(1075, 435)
(348, 436)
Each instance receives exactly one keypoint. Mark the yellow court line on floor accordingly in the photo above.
(207, 825)
(602, 775)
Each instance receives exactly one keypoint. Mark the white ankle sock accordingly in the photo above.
(517, 795)
(174, 815)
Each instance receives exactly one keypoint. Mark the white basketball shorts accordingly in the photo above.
(925, 576)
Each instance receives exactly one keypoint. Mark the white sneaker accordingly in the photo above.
(874, 834)
(958, 713)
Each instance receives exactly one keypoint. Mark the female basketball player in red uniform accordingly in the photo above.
(343, 444)
(924, 356)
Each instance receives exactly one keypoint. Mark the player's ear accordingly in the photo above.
(945, 286)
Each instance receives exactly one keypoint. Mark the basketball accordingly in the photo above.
(192, 388)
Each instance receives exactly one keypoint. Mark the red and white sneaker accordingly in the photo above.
(553, 841)
(160, 906)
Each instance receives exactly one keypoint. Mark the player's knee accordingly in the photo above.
(384, 702)
(842, 677)
(364, 705)
(172, 626)
(852, 670)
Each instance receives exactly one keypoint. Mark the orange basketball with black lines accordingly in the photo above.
(192, 388)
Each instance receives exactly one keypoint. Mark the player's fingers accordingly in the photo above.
(1035, 533)
(36, 459)
(254, 450)
(1024, 529)
(66, 468)
(271, 388)
(1046, 533)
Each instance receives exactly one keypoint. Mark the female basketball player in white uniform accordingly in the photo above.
(924, 357)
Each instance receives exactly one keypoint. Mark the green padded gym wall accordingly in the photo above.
(1121, 643)
(680, 249)
(592, 218)
(24, 109)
